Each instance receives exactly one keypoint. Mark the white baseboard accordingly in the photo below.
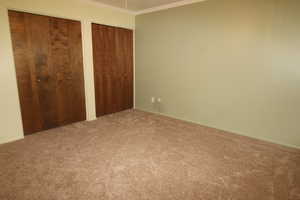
(92, 119)
(11, 139)
(230, 131)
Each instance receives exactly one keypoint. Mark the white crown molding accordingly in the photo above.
(148, 10)
(167, 6)
(99, 4)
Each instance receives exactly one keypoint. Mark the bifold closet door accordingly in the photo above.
(49, 69)
(113, 68)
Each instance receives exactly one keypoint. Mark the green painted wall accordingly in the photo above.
(229, 64)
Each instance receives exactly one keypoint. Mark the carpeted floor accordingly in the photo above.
(135, 155)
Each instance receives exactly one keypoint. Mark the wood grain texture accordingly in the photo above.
(49, 68)
(113, 68)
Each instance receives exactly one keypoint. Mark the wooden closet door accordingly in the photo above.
(49, 69)
(113, 68)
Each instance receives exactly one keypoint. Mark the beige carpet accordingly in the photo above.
(134, 155)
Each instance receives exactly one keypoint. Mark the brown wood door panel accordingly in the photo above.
(76, 78)
(113, 68)
(103, 56)
(124, 52)
(29, 99)
(42, 69)
(48, 60)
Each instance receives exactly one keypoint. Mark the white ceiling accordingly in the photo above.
(143, 5)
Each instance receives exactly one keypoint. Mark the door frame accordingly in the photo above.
(134, 59)
(88, 64)
(87, 54)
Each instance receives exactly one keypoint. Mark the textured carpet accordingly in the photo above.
(135, 155)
